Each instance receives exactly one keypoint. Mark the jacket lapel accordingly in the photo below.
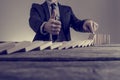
(62, 17)
(61, 13)
(46, 9)
(47, 15)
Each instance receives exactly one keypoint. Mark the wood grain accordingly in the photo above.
(89, 63)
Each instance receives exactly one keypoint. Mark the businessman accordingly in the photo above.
(51, 21)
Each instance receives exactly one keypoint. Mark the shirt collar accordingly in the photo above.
(49, 3)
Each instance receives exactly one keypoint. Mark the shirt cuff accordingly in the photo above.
(42, 29)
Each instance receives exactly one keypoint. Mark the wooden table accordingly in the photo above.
(90, 63)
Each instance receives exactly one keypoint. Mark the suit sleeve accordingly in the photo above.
(36, 20)
(76, 23)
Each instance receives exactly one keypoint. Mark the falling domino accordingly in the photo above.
(33, 45)
(93, 39)
(19, 46)
(5, 46)
(45, 45)
(55, 45)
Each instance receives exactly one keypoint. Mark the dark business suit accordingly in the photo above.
(40, 14)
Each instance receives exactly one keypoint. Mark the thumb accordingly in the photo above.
(53, 15)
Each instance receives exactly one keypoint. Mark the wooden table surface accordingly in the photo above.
(90, 63)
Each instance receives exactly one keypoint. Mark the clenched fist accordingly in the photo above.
(52, 26)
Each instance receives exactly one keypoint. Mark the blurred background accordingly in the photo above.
(14, 16)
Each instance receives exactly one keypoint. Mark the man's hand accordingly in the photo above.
(90, 26)
(53, 27)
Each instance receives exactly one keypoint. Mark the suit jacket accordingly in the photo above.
(40, 13)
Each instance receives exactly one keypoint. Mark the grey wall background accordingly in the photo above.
(14, 15)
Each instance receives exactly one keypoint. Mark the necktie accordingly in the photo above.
(53, 16)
